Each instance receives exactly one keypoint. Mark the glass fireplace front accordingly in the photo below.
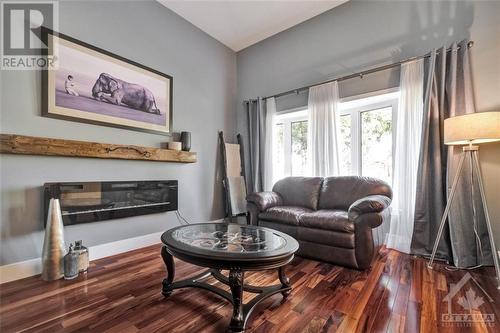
(97, 201)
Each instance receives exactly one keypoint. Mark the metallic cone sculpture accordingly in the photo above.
(53, 244)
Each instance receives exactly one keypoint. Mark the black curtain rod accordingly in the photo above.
(361, 74)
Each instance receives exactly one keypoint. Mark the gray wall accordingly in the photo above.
(204, 73)
(349, 38)
(380, 80)
(361, 34)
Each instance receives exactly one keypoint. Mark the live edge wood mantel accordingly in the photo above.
(31, 145)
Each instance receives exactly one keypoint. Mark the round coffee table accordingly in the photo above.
(233, 247)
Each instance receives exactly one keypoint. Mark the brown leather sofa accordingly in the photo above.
(332, 218)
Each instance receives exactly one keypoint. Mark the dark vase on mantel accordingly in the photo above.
(186, 141)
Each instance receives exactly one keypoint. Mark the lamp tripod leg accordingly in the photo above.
(487, 216)
(447, 209)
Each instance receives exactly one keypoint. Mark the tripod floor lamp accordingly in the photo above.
(470, 130)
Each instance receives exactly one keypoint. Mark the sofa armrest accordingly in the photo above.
(265, 200)
(367, 205)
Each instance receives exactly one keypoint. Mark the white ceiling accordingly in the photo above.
(239, 24)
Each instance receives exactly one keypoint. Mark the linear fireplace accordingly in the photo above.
(85, 202)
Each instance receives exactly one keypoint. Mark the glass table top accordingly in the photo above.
(229, 238)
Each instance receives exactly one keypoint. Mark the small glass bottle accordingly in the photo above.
(83, 256)
(70, 264)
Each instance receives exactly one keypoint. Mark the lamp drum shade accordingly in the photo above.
(472, 128)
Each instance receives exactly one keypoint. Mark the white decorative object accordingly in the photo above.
(175, 145)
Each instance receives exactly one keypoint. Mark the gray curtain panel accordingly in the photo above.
(470, 244)
(448, 92)
(256, 119)
(430, 198)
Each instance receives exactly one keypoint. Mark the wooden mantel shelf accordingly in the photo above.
(31, 145)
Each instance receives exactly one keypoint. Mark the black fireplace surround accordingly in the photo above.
(83, 202)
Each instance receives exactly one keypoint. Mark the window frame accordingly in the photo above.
(354, 107)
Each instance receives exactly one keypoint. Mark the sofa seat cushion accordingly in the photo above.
(284, 214)
(334, 220)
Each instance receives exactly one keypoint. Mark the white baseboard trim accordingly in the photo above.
(124, 245)
(20, 270)
(23, 269)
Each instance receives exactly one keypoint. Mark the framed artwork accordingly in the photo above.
(94, 86)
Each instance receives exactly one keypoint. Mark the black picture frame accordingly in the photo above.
(47, 34)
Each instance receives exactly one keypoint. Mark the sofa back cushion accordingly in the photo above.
(299, 191)
(341, 192)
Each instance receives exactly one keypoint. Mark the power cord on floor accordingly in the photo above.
(181, 218)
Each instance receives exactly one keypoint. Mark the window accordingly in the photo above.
(345, 145)
(367, 132)
(279, 150)
(376, 143)
(290, 144)
(299, 147)
(366, 138)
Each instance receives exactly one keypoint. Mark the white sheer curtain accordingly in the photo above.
(268, 150)
(322, 138)
(408, 138)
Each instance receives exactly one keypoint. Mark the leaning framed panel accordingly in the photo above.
(88, 84)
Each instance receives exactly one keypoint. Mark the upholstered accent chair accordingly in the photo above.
(332, 218)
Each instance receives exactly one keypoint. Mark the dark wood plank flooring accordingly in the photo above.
(122, 294)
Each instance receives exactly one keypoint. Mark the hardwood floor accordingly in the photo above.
(122, 294)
